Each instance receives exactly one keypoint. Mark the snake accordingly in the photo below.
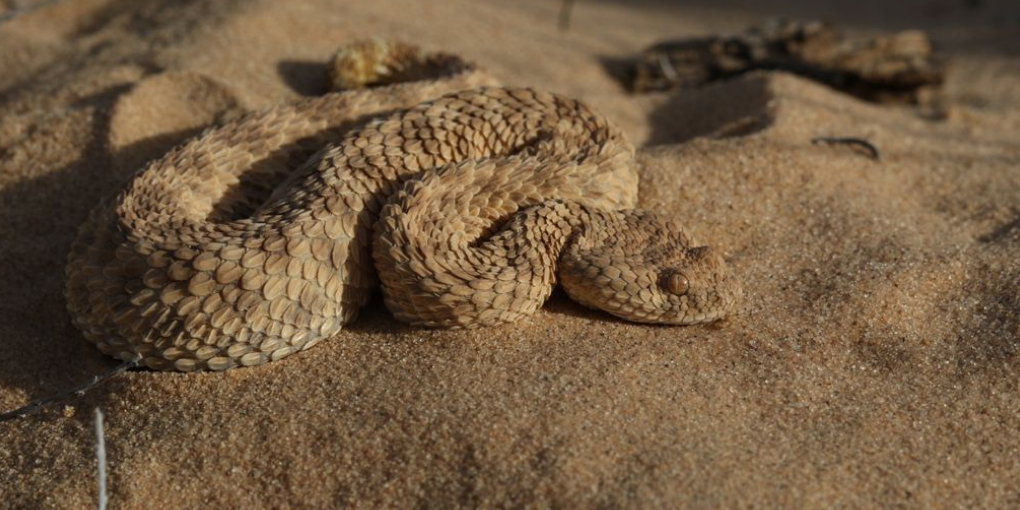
(464, 201)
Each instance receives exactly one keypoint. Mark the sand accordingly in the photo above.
(873, 361)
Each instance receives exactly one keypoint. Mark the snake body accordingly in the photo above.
(244, 245)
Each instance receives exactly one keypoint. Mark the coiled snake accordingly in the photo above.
(467, 208)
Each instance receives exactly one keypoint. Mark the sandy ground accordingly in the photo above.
(873, 363)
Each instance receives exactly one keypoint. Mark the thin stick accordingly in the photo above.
(667, 69)
(101, 459)
(846, 140)
(566, 8)
(35, 405)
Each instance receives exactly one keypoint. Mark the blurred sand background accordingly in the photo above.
(873, 363)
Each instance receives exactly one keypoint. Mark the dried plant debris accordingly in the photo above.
(864, 146)
(897, 68)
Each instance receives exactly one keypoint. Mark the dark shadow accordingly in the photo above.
(1009, 230)
(307, 78)
(160, 23)
(135, 156)
(560, 303)
(990, 336)
(43, 352)
(887, 356)
(735, 107)
(166, 20)
(375, 319)
(620, 69)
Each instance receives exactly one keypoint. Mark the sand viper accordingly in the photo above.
(466, 201)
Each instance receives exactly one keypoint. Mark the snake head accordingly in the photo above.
(648, 270)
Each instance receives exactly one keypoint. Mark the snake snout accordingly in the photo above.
(679, 286)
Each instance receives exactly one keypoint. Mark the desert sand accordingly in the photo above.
(873, 361)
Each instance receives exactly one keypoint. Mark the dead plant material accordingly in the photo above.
(897, 68)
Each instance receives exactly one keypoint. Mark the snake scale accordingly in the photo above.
(465, 201)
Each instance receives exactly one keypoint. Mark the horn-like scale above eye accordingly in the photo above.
(677, 283)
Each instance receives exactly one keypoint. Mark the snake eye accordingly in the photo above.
(677, 283)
